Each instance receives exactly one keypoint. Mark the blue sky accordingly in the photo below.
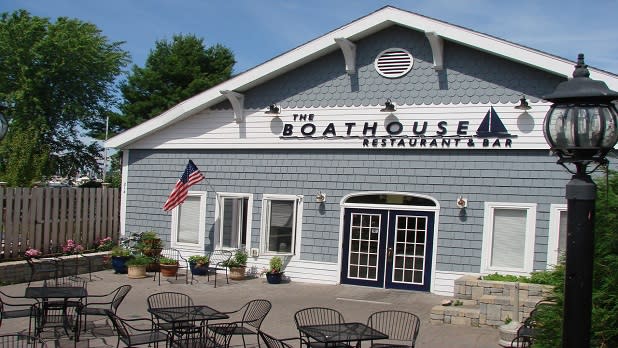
(257, 31)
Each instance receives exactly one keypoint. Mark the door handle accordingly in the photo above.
(389, 254)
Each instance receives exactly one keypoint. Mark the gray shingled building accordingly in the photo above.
(303, 159)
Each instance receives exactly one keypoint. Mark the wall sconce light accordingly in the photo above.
(462, 202)
(273, 110)
(320, 197)
(388, 106)
(523, 104)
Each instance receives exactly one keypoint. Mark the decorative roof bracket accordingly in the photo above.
(349, 54)
(437, 48)
(238, 102)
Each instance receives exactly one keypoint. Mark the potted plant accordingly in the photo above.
(168, 266)
(150, 244)
(136, 266)
(237, 264)
(199, 264)
(275, 270)
(120, 256)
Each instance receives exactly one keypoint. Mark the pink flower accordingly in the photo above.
(32, 253)
(70, 247)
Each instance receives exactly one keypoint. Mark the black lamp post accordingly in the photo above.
(580, 127)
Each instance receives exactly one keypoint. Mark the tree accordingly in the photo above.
(56, 84)
(604, 331)
(174, 71)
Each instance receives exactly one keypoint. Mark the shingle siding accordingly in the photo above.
(479, 176)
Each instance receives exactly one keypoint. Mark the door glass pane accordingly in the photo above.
(409, 256)
(363, 249)
(508, 238)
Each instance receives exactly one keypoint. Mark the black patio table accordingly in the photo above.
(43, 293)
(331, 334)
(179, 317)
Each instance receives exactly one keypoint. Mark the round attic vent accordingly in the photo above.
(394, 62)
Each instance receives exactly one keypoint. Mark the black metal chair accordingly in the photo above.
(248, 319)
(21, 341)
(317, 316)
(138, 331)
(170, 299)
(175, 254)
(219, 339)
(98, 305)
(43, 269)
(401, 327)
(17, 307)
(272, 342)
(218, 259)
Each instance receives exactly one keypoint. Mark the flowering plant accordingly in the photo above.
(105, 244)
(72, 248)
(32, 253)
(275, 266)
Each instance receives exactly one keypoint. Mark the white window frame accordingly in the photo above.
(219, 221)
(297, 222)
(488, 223)
(553, 237)
(191, 247)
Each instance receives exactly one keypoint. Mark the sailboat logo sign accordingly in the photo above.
(492, 126)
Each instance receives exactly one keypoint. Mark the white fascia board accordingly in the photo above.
(360, 28)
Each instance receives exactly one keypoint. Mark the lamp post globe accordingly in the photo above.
(580, 128)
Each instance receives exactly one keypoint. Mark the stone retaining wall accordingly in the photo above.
(19, 272)
(490, 303)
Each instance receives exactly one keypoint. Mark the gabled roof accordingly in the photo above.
(356, 30)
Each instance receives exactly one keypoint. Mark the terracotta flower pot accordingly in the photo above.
(168, 270)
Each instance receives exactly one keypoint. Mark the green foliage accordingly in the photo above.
(139, 260)
(549, 277)
(120, 251)
(199, 259)
(239, 259)
(276, 264)
(604, 329)
(167, 261)
(174, 71)
(56, 80)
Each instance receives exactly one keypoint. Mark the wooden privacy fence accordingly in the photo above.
(45, 218)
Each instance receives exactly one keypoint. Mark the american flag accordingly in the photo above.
(190, 177)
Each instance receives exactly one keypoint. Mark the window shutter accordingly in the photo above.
(509, 238)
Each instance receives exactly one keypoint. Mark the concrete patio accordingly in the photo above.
(355, 303)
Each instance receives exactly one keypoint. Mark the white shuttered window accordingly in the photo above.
(508, 238)
(188, 225)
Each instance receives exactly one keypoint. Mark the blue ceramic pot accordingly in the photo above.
(119, 264)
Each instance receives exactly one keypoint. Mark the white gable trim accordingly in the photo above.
(358, 29)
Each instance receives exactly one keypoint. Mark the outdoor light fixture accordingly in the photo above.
(580, 128)
(523, 104)
(388, 106)
(273, 110)
(320, 197)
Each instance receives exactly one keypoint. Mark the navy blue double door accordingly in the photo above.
(388, 248)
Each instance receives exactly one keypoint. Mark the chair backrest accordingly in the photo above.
(317, 316)
(68, 281)
(21, 341)
(255, 312)
(398, 325)
(118, 324)
(121, 293)
(15, 306)
(173, 254)
(223, 335)
(219, 256)
(272, 342)
(169, 299)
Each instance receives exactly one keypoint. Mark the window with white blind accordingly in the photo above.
(508, 238)
(556, 241)
(281, 216)
(188, 223)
